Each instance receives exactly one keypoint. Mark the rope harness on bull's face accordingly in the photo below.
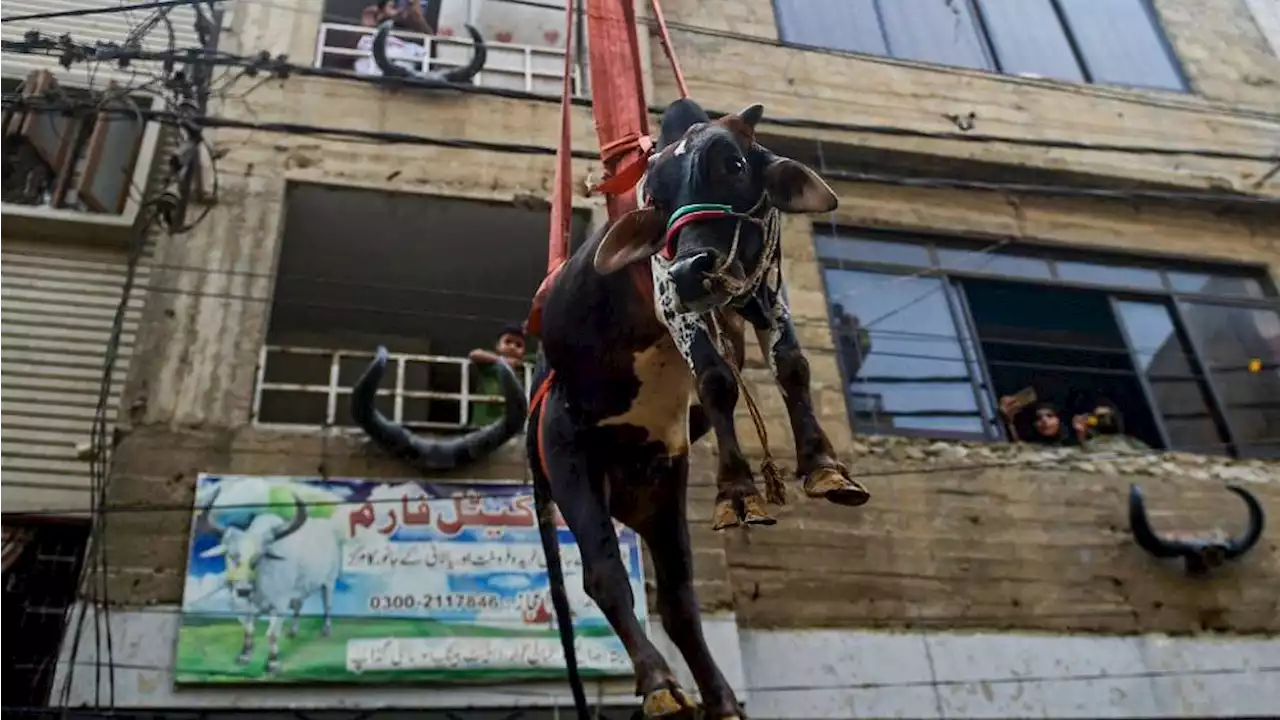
(770, 227)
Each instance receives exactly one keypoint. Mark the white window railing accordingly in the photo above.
(394, 385)
(532, 68)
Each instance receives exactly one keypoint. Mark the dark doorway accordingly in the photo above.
(39, 591)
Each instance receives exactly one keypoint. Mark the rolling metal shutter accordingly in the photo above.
(88, 30)
(58, 302)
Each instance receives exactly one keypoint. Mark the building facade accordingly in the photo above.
(1004, 223)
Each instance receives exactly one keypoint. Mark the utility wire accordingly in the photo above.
(105, 10)
(378, 136)
(280, 67)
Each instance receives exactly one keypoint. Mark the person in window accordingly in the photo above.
(1047, 427)
(1102, 430)
(407, 15)
(510, 347)
(853, 341)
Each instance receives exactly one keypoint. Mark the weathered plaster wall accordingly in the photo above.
(1235, 80)
(187, 404)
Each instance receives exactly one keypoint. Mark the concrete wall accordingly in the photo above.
(1233, 74)
(187, 403)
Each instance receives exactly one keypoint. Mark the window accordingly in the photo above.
(929, 333)
(525, 41)
(1116, 42)
(429, 278)
(76, 162)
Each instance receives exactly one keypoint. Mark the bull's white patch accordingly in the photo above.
(683, 327)
(661, 407)
(682, 147)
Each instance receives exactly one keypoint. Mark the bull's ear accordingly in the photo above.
(794, 187)
(271, 554)
(214, 551)
(636, 236)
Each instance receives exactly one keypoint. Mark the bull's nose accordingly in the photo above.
(242, 592)
(689, 273)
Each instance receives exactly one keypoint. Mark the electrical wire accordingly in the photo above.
(105, 10)
(280, 67)
(388, 137)
(1091, 90)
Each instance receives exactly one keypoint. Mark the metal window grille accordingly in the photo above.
(393, 385)
(532, 68)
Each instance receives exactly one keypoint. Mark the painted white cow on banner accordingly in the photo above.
(272, 564)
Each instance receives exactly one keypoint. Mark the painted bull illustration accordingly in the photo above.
(272, 566)
(666, 289)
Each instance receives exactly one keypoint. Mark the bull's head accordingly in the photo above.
(463, 74)
(243, 549)
(1199, 553)
(712, 198)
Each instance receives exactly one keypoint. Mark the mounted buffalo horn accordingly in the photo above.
(1200, 553)
(456, 75)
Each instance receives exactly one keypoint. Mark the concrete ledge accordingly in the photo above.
(144, 640)
(844, 674)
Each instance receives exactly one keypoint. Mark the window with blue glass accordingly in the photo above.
(1114, 42)
(930, 334)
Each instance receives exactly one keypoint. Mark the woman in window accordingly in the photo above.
(1047, 427)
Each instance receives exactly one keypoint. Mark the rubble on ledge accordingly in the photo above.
(908, 451)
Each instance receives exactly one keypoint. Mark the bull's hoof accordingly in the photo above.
(833, 484)
(327, 629)
(273, 667)
(669, 702)
(753, 513)
(244, 657)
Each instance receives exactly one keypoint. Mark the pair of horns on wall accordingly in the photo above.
(1201, 553)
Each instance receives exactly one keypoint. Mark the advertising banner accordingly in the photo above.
(310, 580)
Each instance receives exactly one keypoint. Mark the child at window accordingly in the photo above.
(510, 347)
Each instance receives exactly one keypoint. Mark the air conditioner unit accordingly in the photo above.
(77, 177)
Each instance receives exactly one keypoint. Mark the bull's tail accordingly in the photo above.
(555, 571)
(431, 454)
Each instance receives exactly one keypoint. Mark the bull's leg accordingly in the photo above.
(823, 475)
(666, 532)
(296, 606)
(326, 599)
(737, 499)
(246, 650)
(578, 491)
(273, 640)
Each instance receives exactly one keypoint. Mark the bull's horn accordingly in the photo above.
(1142, 532)
(299, 517)
(480, 54)
(203, 523)
(433, 454)
(1257, 520)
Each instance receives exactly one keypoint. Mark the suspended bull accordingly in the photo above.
(480, 54)
(665, 289)
(272, 566)
(1201, 552)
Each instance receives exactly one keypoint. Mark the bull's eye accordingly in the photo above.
(735, 165)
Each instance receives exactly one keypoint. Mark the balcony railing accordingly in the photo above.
(286, 394)
(532, 68)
